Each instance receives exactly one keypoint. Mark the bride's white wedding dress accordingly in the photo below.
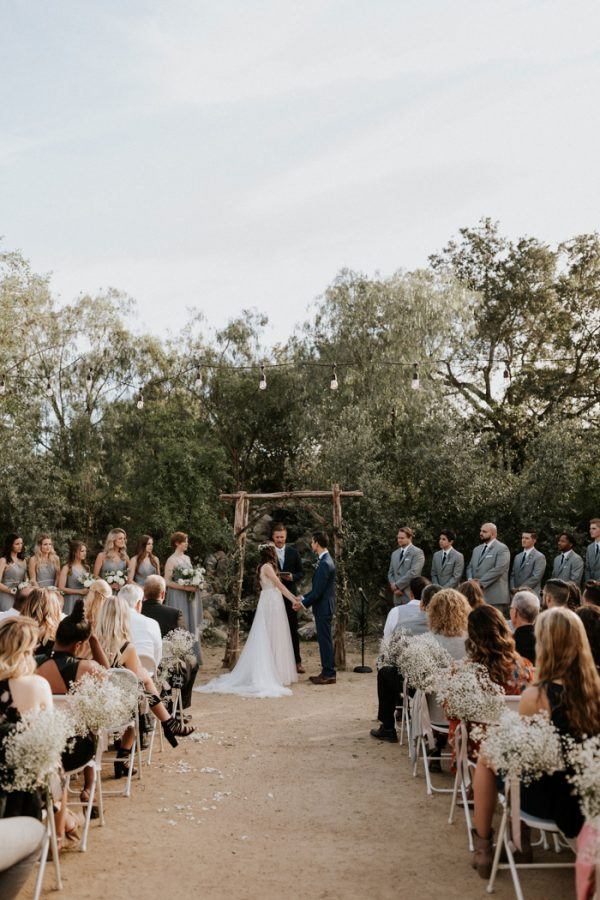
(266, 663)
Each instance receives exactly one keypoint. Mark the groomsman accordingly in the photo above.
(490, 564)
(528, 567)
(448, 564)
(568, 565)
(291, 573)
(406, 562)
(592, 556)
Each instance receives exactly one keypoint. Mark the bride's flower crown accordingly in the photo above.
(265, 545)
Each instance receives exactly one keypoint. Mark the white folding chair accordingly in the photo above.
(128, 680)
(149, 665)
(424, 704)
(50, 841)
(405, 723)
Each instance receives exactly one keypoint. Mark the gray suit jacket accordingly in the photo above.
(571, 569)
(401, 573)
(451, 574)
(592, 562)
(491, 570)
(528, 576)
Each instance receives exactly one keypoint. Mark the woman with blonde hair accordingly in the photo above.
(94, 600)
(448, 614)
(144, 563)
(567, 689)
(113, 558)
(72, 575)
(114, 636)
(43, 607)
(44, 565)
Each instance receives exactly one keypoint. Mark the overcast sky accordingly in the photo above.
(222, 155)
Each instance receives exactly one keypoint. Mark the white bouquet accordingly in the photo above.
(32, 751)
(20, 586)
(421, 661)
(116, 579)
(178, 649)
(87, 580)
(523, 747)
(392, 648)
(190, 576)
(99, 703)
(584, 759)
(467, 692)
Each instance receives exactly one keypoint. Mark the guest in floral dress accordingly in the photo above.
(113, 558)
(13, 570)
(44, 565)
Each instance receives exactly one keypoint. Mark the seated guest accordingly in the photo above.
(448, 614)
(574, 598)
(556, 593)
(568, 690)
(42, 606)
(590, 616)
(94, 599)
(18, 603)
(168, 619)
(410, 616)
(524, 610)
(491, 644)
(591, 593)
(473, 592)
(145, 632)
(21, 839)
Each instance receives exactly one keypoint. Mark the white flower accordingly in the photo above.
(524, 747)
(420, 661)
(32, 752)
(584, 758)
(99, 703)
(467, 692)
(178, 650)
(180, 581)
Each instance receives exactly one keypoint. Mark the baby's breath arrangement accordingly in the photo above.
(421, 661)
(523, 747)
(32, 750)
(584, 759)
(467, 692)
(99, 703)
(392, 648)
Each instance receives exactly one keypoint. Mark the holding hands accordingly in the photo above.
(297, 604)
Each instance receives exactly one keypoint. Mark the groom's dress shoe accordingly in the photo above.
(300, 669)
(321, 679)
(385, 734)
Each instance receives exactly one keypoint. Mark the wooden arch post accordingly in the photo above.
(240, 528)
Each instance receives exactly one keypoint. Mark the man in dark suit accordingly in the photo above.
(291, 573)
(322, 599)
(168, 619)
(524, 609)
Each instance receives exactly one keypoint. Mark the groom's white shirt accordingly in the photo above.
(280, 554)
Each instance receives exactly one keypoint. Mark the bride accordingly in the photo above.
(267, 662)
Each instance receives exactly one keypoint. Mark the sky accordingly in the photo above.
(221, 155)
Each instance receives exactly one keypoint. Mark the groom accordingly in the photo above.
(322, 599)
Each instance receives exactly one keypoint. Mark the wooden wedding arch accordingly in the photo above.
(242, 522)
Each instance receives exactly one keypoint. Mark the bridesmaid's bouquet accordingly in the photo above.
(190, 576)
(31, 752)
(87, 580)
(116, 579)
(20, 586)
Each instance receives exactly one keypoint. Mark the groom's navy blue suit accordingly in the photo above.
(322, 599)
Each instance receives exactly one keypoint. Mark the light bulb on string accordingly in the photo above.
(506, 373)
(49, 390)
(89, 380)
(262, 384)
(198, 381)
(2, 386)
(140, 401)
(334, 383)
(415, 382)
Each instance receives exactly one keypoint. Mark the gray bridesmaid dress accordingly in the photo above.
(46, 575)
(144, 570)
(114, 565)
(191, 607)
(14, 574)
(74, 579)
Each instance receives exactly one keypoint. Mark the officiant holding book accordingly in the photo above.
(291, 573)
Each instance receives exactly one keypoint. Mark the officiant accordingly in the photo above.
(291, 573)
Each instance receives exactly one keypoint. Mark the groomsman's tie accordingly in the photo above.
(444, 554)
(597, 549)
(562, 561)
(523, 561)
(401, 557)
(483, 552)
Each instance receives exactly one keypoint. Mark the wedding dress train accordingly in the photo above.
(267, 662)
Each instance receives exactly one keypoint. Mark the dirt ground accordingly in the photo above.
(284, 798)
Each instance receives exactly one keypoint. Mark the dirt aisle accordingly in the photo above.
(284, 798)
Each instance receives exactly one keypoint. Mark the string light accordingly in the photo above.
(198, 381)
(506, 373)
(415, 383)
(140, 401)
(2, 386)
(89, 380)
(334, 384)
(262, 384)
(49, 390)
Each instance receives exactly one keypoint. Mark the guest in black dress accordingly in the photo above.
(524, 610)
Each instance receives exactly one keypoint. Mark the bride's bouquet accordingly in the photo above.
(190, 576)
(116, 578)
(31, 752)
(522, 747)
(99, 703)
(421, 661)
(467, 692)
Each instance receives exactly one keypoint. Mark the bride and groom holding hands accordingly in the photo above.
(270, 660)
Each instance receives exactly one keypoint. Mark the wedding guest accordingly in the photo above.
(448, 614)
(567, 688)
(13, 570)
(99, 592)
(72, 574)
(592, 556)
(44, 565)
(113, 558)
(42, 606)
(528, 567)
(491, 644)
(406, 562)
(168, 619)
(489, 565)
(591, 593)
(183, 597)
(144, 563)
(448, 564)
(145, 632)
(410, 616)
(19, 601)
(568, 565)
(291, 573)
(472, 591)
(21, 840)
(524, 610)
(556, 593)
(114, 635)
(574, 598)
(590, 616)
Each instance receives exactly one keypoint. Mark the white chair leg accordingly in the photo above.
(43, 859)
(100, 795)
(54, 842)
(88, 811)
(499, 843)
(426, 766)
(455, 789)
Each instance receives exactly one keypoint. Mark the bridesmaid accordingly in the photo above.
(183, 597)
(44, 565)
(144, 563)
(114, 556)
(13, 570)
(70, 580)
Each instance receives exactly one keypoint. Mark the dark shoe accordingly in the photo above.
(322, 679)
(483, 855)
(435, 765)
(385, 734)
(300, 669)
(122, 768)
